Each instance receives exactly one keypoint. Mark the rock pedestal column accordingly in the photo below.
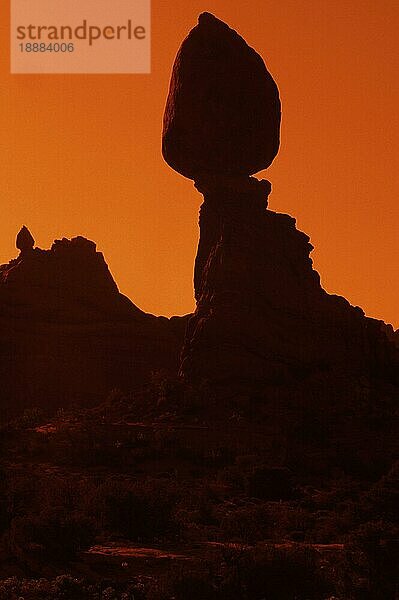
(262, 315)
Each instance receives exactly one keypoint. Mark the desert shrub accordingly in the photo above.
(20, 493)
(329, 527)
(196, 507)
(374, 549)
(292, 521)
(251, 574)
(183, 586)
(166, 388)
(247, 524)
(194, 587)
(84, 447)
(383, 498)
(53, 534)
(138, 511)
(234, 476)
(65, 587)
(31, 417)
(177, 396)
(5, 516)
(269, 572)
(217, 458)
(270, 484)
(115, 396)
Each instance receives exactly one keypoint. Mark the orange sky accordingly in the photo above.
(80, 154)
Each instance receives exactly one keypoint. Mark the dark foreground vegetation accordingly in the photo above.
(145, 498)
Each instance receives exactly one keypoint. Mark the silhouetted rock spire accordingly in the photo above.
(223, 110)
(25, 240)
(262, 315)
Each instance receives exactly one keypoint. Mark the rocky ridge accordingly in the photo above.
(67, 335)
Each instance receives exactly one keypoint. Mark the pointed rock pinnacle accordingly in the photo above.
(25, 241)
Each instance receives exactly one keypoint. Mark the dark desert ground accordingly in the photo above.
(247, 451)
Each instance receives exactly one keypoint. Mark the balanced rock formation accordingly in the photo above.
(261, 314)
(223, 110)
(66, 333)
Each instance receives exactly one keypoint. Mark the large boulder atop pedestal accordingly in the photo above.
(223, 110)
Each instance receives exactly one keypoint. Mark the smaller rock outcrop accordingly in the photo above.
(67, 335)
(25, 240)
(71, 278)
